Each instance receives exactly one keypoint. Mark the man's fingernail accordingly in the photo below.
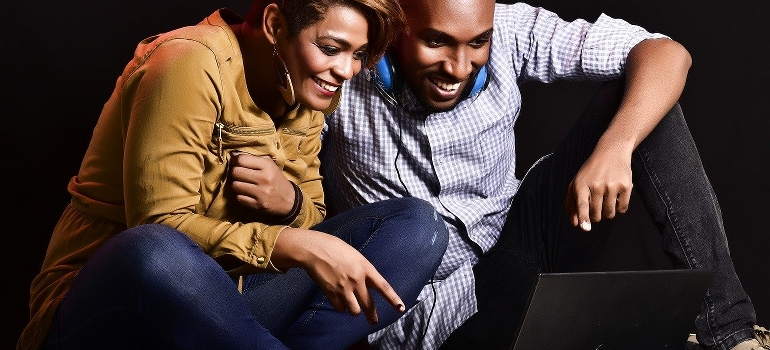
(585, 225)
(401, 307)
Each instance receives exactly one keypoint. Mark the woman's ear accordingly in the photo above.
(273, 22)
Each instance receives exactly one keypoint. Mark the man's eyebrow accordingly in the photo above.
(435, 33)
(485, 35)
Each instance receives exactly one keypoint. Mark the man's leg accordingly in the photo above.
(538, 237)
(671, 181)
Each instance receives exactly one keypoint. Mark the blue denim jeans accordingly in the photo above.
(152, 287)
(538, 236)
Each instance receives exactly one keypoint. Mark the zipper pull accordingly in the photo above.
(219, 126)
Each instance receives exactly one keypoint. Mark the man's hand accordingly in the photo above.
(656, 70)
(342, 273)
(601, 189)
(260, 184)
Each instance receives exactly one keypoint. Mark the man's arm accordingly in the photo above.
(656, 71)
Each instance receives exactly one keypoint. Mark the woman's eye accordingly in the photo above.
(329, 50)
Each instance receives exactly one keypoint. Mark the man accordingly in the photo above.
(419, 127)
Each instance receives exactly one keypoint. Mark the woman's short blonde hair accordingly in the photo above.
(386, 19)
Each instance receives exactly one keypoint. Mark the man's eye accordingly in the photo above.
(360, 55)
(434, 43)
(477, 44)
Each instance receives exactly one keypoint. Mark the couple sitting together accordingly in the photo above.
(333, 174)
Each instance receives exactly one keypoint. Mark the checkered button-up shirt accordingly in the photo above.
(463, 161)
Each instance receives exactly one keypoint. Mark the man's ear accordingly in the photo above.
(273, 22)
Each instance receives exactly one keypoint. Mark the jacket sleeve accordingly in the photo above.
(169, 105)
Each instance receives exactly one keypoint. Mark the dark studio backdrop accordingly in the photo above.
(61, 60)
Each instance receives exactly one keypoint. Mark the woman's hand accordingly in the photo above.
(260, 184)
(342, 273)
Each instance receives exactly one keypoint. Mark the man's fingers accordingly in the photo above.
(609, 204)
(624, 200)
(582, 205)
(595, 202)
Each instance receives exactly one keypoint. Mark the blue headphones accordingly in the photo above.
(385, 79)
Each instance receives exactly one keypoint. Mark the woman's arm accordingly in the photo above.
(170, 103)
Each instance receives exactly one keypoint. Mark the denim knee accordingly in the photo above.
(428, 235)
(152, 249)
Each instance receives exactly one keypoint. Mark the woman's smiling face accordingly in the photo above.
(322, 56)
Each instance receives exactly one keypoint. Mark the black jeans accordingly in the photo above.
(538, 236)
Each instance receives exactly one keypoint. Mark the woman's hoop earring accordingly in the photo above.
(284, 80)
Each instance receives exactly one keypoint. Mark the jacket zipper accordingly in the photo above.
(219, 126)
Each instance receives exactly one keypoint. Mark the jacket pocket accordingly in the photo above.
(290, 142)
(228, 137)
(217, 200)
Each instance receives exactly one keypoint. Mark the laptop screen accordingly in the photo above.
(612, 310)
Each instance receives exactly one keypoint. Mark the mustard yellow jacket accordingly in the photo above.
(160, 152)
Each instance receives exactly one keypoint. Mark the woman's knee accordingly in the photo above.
(148, 238)
(146, 247)
(425, 230)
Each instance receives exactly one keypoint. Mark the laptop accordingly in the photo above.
(619, 310)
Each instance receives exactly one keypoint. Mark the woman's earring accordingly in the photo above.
(284, 80)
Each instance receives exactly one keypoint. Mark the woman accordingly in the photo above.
(193, 203)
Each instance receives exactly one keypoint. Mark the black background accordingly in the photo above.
(61, 59)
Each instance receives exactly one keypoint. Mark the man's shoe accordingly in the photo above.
(762, 336)
(761, 341)
(692, 343)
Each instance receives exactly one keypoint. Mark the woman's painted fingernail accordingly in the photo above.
(585, 225)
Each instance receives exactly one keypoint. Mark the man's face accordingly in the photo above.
(448, 42)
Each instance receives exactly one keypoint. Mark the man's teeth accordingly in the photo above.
(448, 87)
(326, 86)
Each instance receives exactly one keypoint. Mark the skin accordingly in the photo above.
(319, 59)
(448, 43)
(656, 72)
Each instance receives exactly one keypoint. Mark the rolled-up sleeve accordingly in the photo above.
(548, 48)
(607, 45)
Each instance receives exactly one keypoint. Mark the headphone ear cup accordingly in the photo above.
(480, 83)
(385, 77)
(386, 74)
